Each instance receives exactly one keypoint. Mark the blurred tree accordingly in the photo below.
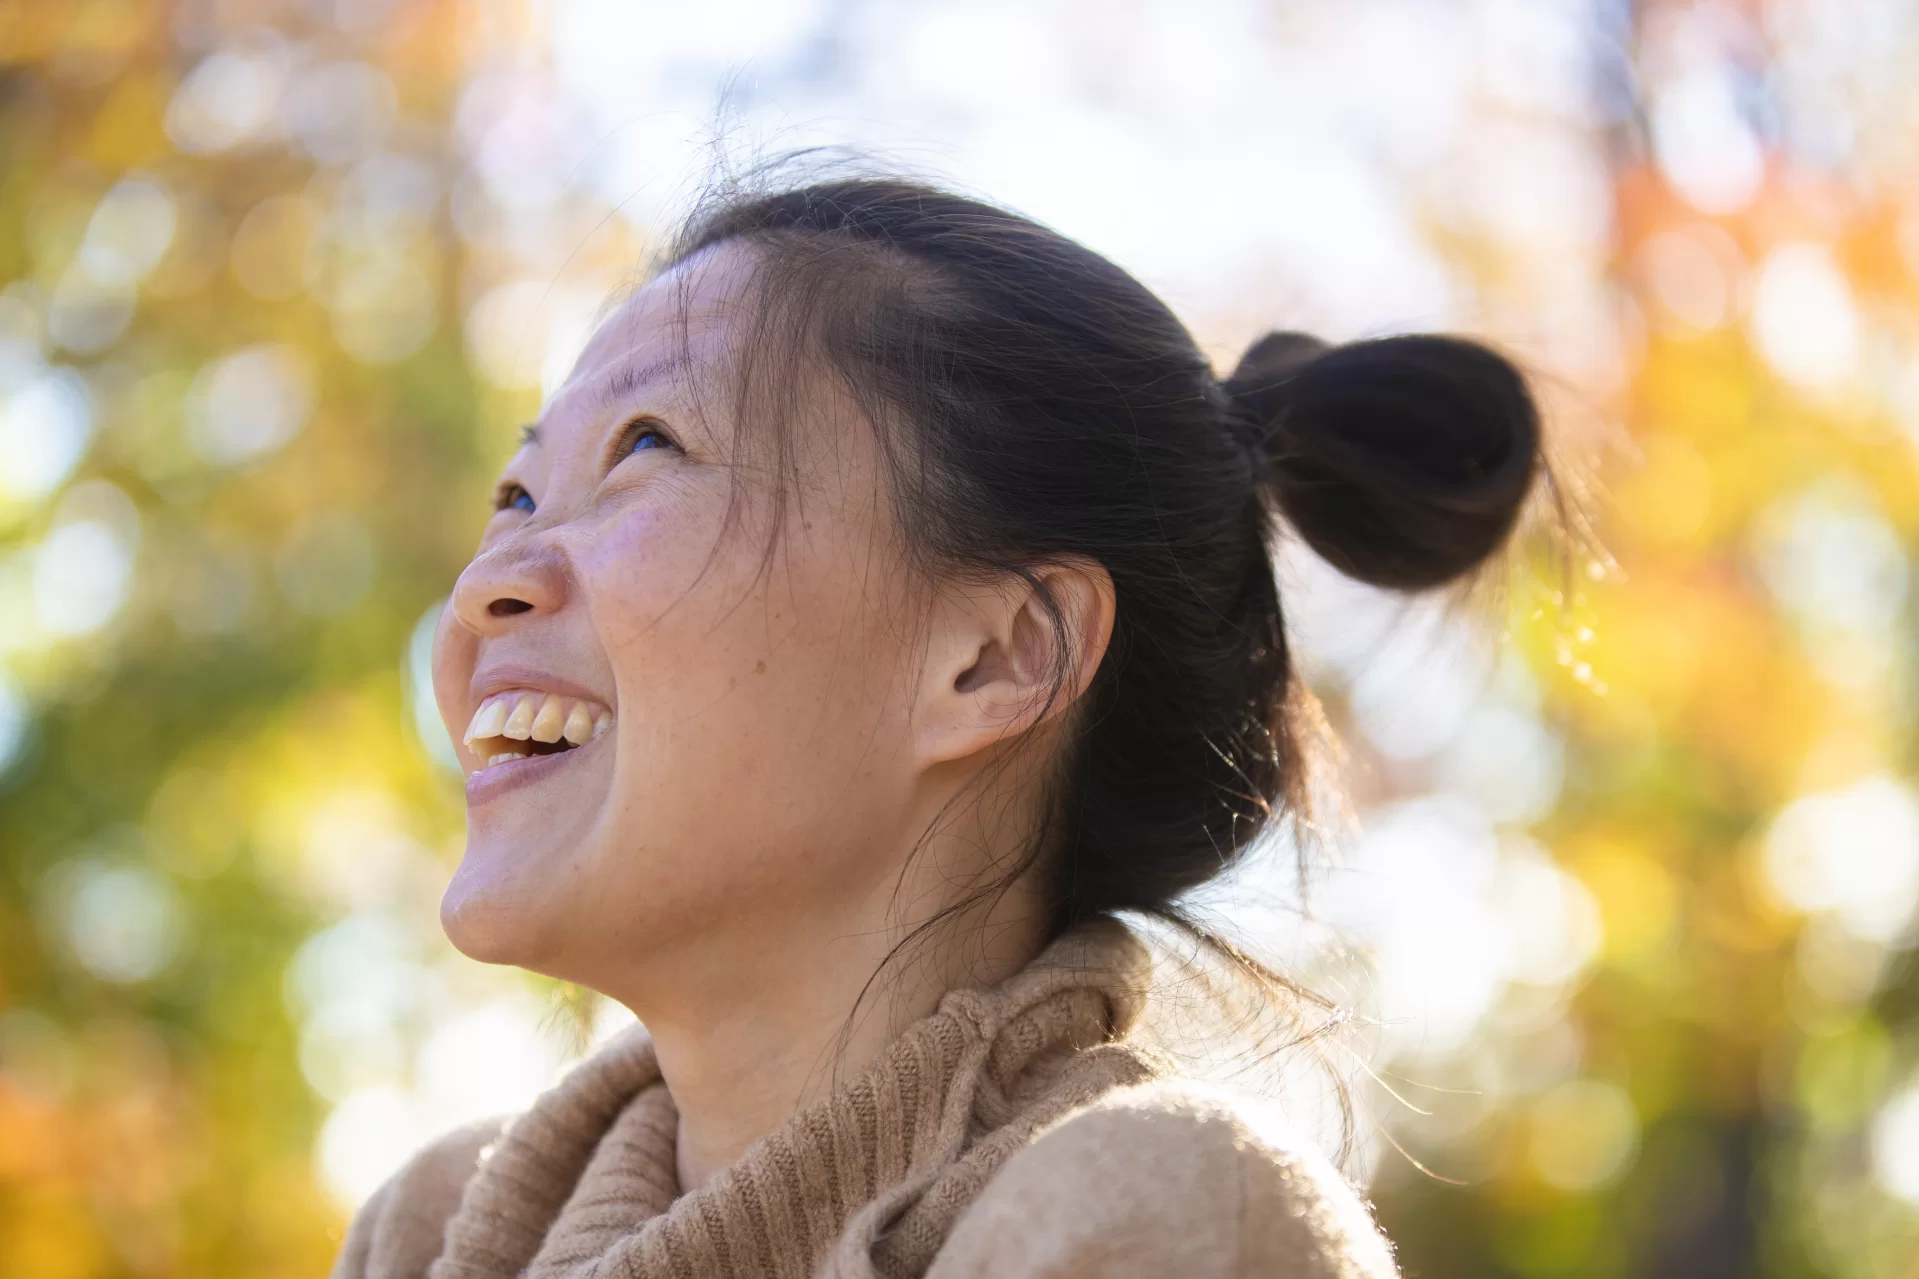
(231, 264)
(279, 280)
(1738, 801)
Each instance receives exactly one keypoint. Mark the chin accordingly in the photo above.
(528, 834)
(497, 918)
(479, 924)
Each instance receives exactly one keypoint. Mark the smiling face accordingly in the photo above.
(684, 707)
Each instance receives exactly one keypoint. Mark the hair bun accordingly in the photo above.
(1403, 461)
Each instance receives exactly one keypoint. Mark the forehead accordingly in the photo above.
(681, 322)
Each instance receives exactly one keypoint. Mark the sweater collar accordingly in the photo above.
(863, 1181)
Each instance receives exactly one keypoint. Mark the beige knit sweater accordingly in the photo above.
(1015, 1133)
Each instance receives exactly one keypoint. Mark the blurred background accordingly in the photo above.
(1637, 866)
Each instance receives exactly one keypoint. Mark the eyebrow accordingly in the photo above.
(628, 378)
(623, 381)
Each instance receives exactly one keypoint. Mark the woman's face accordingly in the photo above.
(682, 707)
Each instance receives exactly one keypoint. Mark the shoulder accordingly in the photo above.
(1167, 1178)
(398, 1230)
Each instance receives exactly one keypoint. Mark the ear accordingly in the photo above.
(1004, 658)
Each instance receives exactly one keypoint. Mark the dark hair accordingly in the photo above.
(1039, 403)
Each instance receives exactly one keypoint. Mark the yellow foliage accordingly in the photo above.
(237, 745)
(1637, 895)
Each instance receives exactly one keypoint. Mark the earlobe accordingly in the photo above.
(1010, 658)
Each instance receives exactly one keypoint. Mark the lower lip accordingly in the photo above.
(489, 783)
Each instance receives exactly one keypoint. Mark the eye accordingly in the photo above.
(645, 434)
(512, 497)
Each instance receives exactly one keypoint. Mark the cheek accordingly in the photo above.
(683, 622)
(634, 567)
(676, 590)
(756, 692)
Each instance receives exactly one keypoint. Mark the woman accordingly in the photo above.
(884, 604)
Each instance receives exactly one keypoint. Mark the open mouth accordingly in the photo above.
(522, 722)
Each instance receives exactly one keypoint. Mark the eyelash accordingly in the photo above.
(511, 496)
(639, 429)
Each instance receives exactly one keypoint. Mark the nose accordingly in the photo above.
(509, 584)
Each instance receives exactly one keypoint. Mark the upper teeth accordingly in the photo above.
(522, 714)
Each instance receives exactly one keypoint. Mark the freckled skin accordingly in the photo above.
(717, 790)
(787, 787)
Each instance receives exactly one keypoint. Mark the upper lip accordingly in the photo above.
(499, 679)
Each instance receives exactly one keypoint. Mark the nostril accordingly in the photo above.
(507, 608)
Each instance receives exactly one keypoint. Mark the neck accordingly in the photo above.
(750, 1027)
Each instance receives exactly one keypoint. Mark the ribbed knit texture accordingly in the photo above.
(863, 1184)
(1016, 1133)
